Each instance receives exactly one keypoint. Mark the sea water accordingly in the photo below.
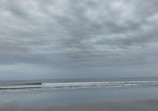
(45, 93)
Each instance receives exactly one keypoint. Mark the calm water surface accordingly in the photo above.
(45, 98)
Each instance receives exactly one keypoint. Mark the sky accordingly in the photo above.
(50, 39)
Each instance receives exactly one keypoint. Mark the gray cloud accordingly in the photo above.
(71, 35)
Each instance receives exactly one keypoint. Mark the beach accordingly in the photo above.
(90, 95)
(146, 105)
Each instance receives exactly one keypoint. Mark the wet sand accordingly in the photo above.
(146, 105)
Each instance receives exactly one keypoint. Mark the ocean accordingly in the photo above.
(64, 92)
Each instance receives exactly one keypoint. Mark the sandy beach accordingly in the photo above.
(146, 105)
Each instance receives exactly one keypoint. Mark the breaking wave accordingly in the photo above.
(100, 84)
(75, 85)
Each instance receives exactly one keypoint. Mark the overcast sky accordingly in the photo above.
(78, 38)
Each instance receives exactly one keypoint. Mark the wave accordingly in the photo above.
(22, 86)
(100, 84)
(75, 85)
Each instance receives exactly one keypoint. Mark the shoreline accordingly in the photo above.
(143, 105)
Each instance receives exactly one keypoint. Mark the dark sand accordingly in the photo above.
(148, 105)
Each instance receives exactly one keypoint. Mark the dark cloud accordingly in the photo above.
(71, 35)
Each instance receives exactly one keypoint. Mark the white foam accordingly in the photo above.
(100, 84)
(68, 85)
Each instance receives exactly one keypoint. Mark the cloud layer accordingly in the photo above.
(92, 37)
